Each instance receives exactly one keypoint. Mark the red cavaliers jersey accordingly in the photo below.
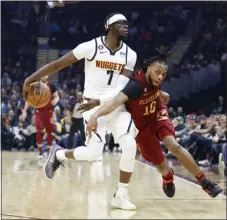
(49, 105)
(147, 107)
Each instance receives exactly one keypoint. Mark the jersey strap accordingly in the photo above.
(96, 48)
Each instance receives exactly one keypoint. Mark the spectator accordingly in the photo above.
(172, 113)
(6, 80)
(220, 106)
(180, 111)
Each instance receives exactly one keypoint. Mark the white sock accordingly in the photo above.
(60, 154)
(122, 188)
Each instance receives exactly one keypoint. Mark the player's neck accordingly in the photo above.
(112, 42)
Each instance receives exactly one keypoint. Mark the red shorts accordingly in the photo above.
(149, 139)
(44, 119)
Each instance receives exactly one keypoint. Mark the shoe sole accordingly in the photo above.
(114, 205)
(217, 193)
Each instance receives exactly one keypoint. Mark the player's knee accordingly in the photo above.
(128, 145)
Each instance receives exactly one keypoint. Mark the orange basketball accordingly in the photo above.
(39, 95)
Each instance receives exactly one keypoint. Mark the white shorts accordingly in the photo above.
(119, 122)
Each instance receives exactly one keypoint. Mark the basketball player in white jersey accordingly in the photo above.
(109, 63)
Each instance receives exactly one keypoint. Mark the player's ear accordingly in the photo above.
(112, 27)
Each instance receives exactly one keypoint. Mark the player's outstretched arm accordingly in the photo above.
(49, 69)
(106, 109)
(52, 67)
(92, 103)
(132, 91)
(83, 50)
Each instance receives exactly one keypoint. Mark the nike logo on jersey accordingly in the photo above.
(109, 65)
(103, 52)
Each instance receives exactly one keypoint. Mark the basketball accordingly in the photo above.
(39, 95)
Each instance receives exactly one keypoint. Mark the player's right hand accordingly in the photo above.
(91, 126)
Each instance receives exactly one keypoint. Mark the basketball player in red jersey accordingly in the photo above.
(44, 117)
(143, 101)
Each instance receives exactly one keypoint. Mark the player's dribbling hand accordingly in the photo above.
(91, 126)
(90, 104)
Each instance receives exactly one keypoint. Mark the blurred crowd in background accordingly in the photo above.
(197, 109)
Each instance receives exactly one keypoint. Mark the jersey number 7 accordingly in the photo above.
(110, 72)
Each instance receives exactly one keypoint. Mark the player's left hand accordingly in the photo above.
(90, 104)
(91, 126)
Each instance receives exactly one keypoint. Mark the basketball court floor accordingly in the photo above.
(82, 190)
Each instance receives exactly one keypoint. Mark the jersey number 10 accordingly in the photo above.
(110, 72)
(149, 109)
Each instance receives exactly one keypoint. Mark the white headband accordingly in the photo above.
(114, 18)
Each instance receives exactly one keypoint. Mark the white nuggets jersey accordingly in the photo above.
(103, 66)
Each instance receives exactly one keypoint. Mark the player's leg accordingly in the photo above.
(124, 133)
(50, 127)
(185, 158)
(39, 138)
(166, 171)
(58, 155)
(93, 150)
(152, 152)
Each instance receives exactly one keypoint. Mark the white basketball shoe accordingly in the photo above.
(122, 201)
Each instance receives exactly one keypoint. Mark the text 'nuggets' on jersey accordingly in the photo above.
(109, 65)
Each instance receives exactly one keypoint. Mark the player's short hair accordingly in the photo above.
(107, 18)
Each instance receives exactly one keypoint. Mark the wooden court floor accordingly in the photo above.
(82, 190)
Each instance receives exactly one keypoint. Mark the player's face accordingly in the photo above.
(44, 79)
(156, 73)
(121, 29)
